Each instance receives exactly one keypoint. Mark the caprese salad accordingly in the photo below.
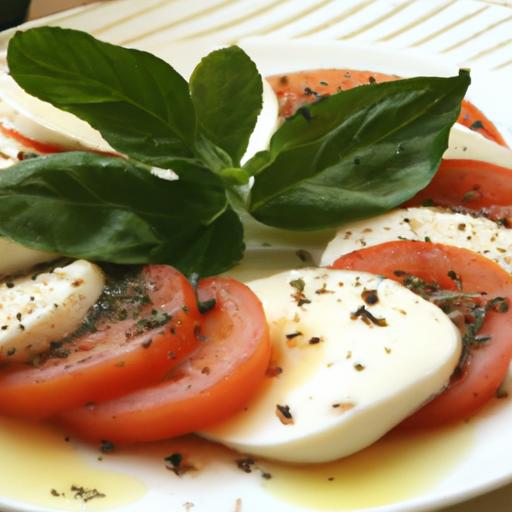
(118, 315)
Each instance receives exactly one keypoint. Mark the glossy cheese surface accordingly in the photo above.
(36, 310)
(461, 230)
(346, 368)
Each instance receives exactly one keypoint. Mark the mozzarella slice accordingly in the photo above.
(467, 144)
(477, 234)
(16, 258)
(44, 122)
(35, 312)
(340, 381)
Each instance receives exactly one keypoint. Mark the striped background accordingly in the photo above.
(469, 32)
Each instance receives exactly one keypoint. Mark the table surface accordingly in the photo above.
(500, 500)
(40, 8)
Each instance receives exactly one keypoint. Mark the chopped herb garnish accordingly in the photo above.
(477, 125)
(455, 278)
(85, 494)
(107, 446)
(299, 296)
(176, 463)
(471, 195)
(292, 335)
(284, 414)
(298, 284)
(202, 305)
(367, 317)
(323, 290)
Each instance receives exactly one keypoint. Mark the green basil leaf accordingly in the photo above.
(211, 249)
(227, 91)
(357, 153)
(138, 102)
(88, 206)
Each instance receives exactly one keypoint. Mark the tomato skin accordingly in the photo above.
(296, 89)
(213, 383)
(40, 147)
(488, 364)
(108, 363)
(470, 184)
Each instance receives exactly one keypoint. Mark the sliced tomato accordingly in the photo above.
(213, 383)
(470, 184)
(487, 365)
(296, 89)
(120, 353)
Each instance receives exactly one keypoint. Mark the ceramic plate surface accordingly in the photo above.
(39, 465)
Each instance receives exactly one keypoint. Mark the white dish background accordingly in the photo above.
(483, 466)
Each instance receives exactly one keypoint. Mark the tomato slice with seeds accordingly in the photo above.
(473, 185)
(140, 330)
(487, 364)
(213, 383)
(297, 89)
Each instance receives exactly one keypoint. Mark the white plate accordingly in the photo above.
(398, 474)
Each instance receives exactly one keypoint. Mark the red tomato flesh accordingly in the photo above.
(488, 364)
(296, 89)
(470, 184)
(213, 383)
(115, 357)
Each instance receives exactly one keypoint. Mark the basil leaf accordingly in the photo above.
(138, 102)
(212, 249)
(357, 153)
(88, 206)
(227, 90)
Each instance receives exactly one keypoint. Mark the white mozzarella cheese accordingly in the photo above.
(467, 144)
(16, 258)
(35, 312)
(45, 123)
(339, 381)
(477, 234)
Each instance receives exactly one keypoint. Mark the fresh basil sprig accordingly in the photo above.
(356, 154)
(90, 206)
(352, 155)
(227, 77)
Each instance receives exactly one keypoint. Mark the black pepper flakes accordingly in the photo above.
(176, 463)
(246, 465)
(370, 297)
(284, 414)
(477, 125)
